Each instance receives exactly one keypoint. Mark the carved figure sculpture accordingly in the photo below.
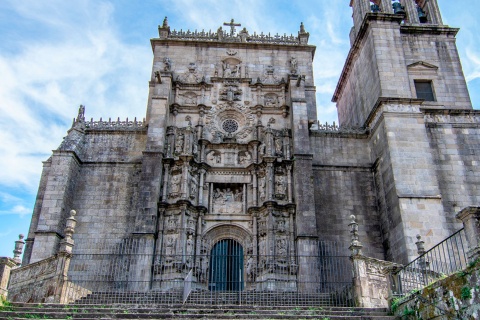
(279, 146)
(175, 184)
(244, 158)
(280, 185)
(168, 64)
(189, 248)
(282, 247)
(261, 188)
(293, 65)
(179, 144)
(193, 190)
(214, 157)
(170, 246)
(227, 71)
(250, 269)
(219, 196)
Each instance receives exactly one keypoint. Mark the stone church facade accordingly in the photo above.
(231, 156)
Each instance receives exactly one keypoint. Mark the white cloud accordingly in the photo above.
(43, 84)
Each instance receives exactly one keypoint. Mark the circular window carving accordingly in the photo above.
(230, 125)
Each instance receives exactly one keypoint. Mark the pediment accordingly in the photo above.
(422, 65)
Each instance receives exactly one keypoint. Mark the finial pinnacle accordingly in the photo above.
(165, 22)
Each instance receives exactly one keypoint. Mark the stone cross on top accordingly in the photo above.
(232, 25)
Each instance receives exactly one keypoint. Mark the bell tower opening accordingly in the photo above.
(226, 266)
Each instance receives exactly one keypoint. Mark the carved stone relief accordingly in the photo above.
(191, 76)
(228, 199)
(240, 115)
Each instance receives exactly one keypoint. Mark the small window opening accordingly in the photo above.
(424, 90)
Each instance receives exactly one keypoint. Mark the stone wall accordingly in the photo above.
(455, 297)
(344, 185)
(454, 137)
(44, 281)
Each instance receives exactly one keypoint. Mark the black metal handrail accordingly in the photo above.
(442, 260)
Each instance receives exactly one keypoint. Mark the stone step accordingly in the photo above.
(56, 311)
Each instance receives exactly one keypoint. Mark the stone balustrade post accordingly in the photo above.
(470, 217)
(7, 264)
(17, 252)
(66, 245)
(373, 279)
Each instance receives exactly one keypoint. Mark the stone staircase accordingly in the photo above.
(130, 311)
(200, 305)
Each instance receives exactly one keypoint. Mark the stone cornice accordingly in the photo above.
(237, 45)
(394, 105)
(452, 117)
(429, 29)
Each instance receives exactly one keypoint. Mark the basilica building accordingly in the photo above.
(231, 181)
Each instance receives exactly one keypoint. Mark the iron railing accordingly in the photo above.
(225, 276)
(444, 259)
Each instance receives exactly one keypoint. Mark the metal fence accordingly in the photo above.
(446, 258)
(226, 275)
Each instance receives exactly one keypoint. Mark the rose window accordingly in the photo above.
(230, 125)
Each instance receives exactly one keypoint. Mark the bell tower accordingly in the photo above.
(403, 61)
(399, 49)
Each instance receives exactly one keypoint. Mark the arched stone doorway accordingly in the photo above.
(226, 266)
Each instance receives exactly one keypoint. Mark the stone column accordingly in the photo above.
(412, 13)
(289, 183)
(166, 175)
(200, 187)
(433, 12)
(254, 188)
(386, 6)
(269, 181)
(210, 197)
(470, 217)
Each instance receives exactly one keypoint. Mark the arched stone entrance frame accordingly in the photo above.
(228, 231)
(223, 260)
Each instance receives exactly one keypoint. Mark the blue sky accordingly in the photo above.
(56, 55)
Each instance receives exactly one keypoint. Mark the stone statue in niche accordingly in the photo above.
(244, 158)
(261, 189)
(167, 64)
(280, 186)
(279, 145)
(189, 248)
(179, 143)
(293, 65)
(262, 148)
(227, 70)
(171, 224)
(214, 157)
(250, 268)
(175, 185)
(170, 246)
(193, 190)
(282, 247)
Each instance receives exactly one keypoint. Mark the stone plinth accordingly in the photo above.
(470, 217)
(6, 265)
(371, 281)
